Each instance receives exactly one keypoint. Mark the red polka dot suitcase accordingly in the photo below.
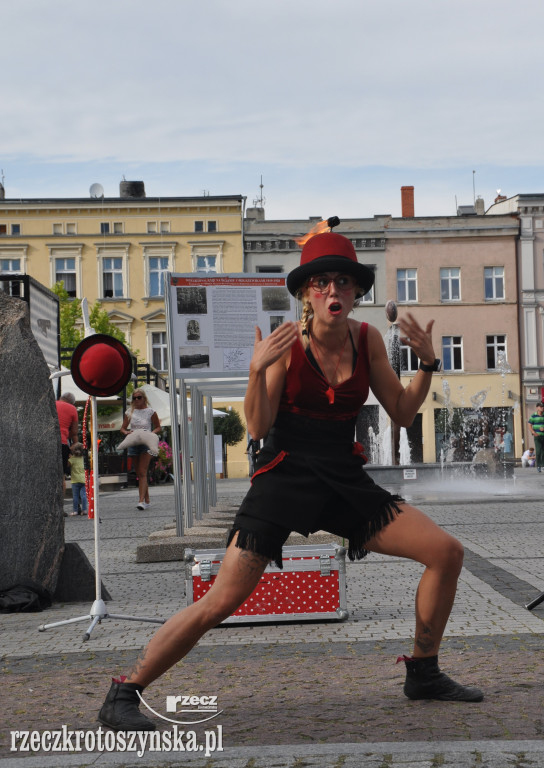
(311, 586)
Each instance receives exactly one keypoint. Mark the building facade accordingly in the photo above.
(460, 271)
(117, 250)
(530, 209)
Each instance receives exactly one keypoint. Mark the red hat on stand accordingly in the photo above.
(101, 365)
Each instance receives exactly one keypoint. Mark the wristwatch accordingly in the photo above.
(434, 368)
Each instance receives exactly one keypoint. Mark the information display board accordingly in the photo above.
(213, 319)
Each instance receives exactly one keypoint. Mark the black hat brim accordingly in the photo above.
(363, 274)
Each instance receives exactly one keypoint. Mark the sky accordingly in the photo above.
(336, 104)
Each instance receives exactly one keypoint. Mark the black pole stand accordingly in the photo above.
(535, 602)
(98, 611)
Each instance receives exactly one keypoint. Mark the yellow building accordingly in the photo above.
(117, 250)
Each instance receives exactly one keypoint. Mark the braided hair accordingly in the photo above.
(306, 316)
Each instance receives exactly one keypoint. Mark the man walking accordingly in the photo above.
(68, 423)
(536, 425)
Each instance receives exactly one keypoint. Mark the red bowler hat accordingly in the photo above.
(330, 252)
(101, 365)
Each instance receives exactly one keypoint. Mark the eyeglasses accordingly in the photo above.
(138, 397)
(321, 283)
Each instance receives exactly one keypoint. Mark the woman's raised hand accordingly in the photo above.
(418, 339)
(269, 350)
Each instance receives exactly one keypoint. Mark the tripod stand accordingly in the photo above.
(98, 610)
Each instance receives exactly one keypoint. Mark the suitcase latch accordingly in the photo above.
(325, 565)
(205, 570)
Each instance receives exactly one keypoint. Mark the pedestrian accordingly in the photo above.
(253, 449)
(307, 383)
(77, 478)
(528, 458)
(68, 424)
(140, 416)
(536, 425)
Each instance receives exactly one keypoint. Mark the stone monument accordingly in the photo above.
(31, 500)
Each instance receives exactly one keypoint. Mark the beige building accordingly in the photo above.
(117, 250)
(530, 209)
(460, 271)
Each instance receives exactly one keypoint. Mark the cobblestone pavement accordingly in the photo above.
(306, 694)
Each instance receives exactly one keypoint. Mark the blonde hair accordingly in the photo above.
(307, 313)
(143, 394)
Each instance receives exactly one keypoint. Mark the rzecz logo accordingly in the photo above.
(190, 705)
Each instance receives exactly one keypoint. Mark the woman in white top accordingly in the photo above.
(140, 416)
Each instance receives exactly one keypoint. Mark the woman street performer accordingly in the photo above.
(307, 383)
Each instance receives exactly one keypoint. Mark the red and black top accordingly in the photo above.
(310, 474)
(305, 387)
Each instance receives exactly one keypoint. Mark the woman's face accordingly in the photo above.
(138, 400)
(331, 295)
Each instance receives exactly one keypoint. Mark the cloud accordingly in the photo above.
(298, 88)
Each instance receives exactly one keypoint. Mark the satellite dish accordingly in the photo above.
(96, 190)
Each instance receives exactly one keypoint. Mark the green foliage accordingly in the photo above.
(230, 426)
(71, 317)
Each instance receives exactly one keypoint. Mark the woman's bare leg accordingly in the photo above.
(412, 534)
(415, 536)
(141, 470)
(238, 576)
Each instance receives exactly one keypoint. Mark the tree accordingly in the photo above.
(71, 321)
(231, 429)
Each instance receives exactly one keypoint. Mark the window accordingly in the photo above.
(118, 228)
(12, 266)
(409, 362)
(212, 226)
(71, 229)
(57, 229)
(494, 283)
(206, 264)
(65, 271)
(165, 226)
(450, 284)
(452, 353)
(159, 351)
(151, 227)
(3, 229)
(15, 229)
(104, 227)
(157, 267)
(199, 226)
(406, 285)
(368, 298)
(112, 277)
(494, 345)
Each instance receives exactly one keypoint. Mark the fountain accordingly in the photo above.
(470, 445)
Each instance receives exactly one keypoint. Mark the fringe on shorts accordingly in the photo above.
(386, 515)
(259, 543)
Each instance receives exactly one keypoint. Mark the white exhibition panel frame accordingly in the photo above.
(211, 320)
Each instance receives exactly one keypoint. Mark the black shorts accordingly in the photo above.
(309, 478)
(260, 536)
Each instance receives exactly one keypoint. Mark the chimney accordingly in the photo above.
(499, 197)
(131, 190)
(407, 202)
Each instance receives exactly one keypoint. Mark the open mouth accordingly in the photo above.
(335, 307)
